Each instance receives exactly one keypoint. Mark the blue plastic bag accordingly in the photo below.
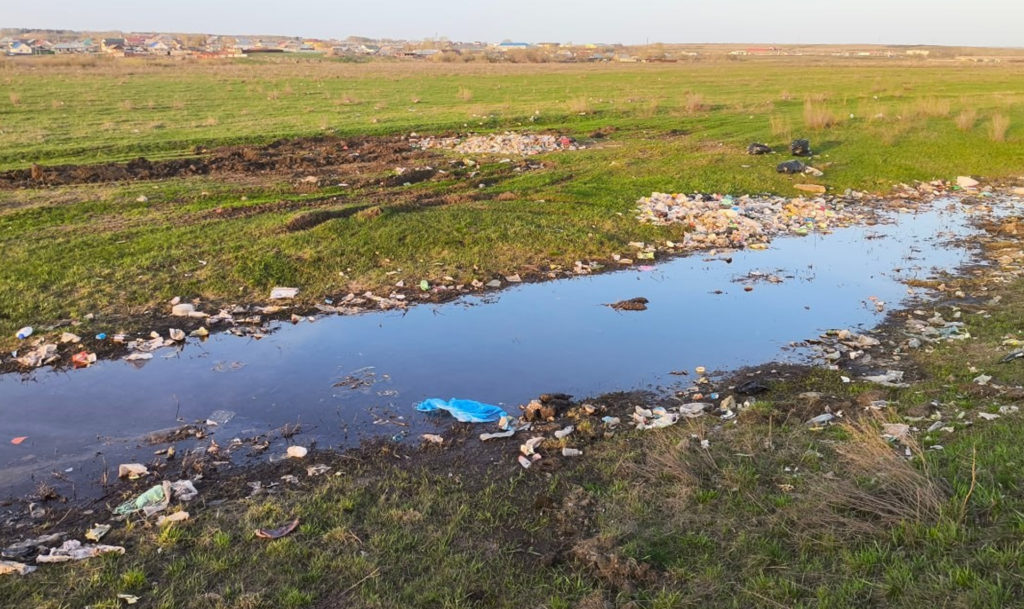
(465, 411)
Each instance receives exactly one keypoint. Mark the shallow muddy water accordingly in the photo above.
(347, 378)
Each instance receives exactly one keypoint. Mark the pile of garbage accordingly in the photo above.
(724, 221)
(519, 144)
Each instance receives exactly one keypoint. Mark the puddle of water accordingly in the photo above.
(339, 376)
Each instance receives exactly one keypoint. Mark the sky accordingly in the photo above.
(942, 22)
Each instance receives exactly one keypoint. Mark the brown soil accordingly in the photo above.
(302, 156)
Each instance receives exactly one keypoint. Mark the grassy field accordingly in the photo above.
(117, 249)
(771, 514)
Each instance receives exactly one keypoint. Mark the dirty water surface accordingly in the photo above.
(349, 378)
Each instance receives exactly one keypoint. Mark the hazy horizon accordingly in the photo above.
(985, 23)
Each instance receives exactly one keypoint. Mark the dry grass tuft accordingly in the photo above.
(931, 107)
(15, 98)
(877, 485)
(998, 128)
(464, 94)
(694, 102)
(781, 127)
(817, 116)
(211, 121)
(127, 105)
(966, 119)
(578, 105)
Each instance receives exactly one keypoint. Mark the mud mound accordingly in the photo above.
(293, 156)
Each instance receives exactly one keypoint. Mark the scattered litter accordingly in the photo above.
(176, 334)
(896, 431)
(68, 337)
(131, 471)
(530, 446)
(138, 357)
(97, 532)
(571, 452)
(279, 293)
(800, 148)
(1012, 409)
(296, 452)
(982, 379)
(820, 420)
(563, 433)
(83, 359)
(694, 409)
(8, 567)
(220, 417)
(790, 167)
(129, 599)
(464, 411)
(278, 532)
(966, 182)
(432, 438)
(24, 333)
(611, 421)
(18, 440)
(654, 418)
(501, 434)
(317, 470)
(175, 517)
(75, 550)
(817, 189)
(756, 148)
(1009, 357)
(183, 310)
(157, 498)
(891, 378)
(988, 416)
(524, 144)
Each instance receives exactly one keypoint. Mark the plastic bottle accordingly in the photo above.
(24, 333)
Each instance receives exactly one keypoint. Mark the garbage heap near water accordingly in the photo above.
(746, 221)
(520, 144)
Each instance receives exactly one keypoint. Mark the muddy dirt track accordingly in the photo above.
(292, 156)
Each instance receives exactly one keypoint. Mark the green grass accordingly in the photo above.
(684, 127)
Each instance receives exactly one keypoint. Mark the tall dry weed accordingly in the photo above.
(694, 102)
(877, 486)
(966, 119)
(464, 94)
(578, 105)
(930, 107)
(781, 127)
(15, 98)
(818, 116)
(998, 127)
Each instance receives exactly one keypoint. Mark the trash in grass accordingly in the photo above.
(1009, 357)
(317, 470)
(131, 470)
(757, 148)
(800, 148)
(170, 518)
(891, 378)
(790, 167)
(500, 434)
(296, 452)
(432, 438)
(563, 433)
(24, 333)
(75, 550)
(280, 293)
(97, 532)
(83, 359)
(694, 409)
(8, 567)
(278, 532)
(129, 599)
(653, 418)
(988, 416)
(611, 421)
(895, 431)
(157, 498)
(25, 550)
(571, 452)
(821, 419)
(464, 411)
(982, 379)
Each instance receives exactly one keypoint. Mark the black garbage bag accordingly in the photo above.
(791, 167)
(800, 148)
(757, 148)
